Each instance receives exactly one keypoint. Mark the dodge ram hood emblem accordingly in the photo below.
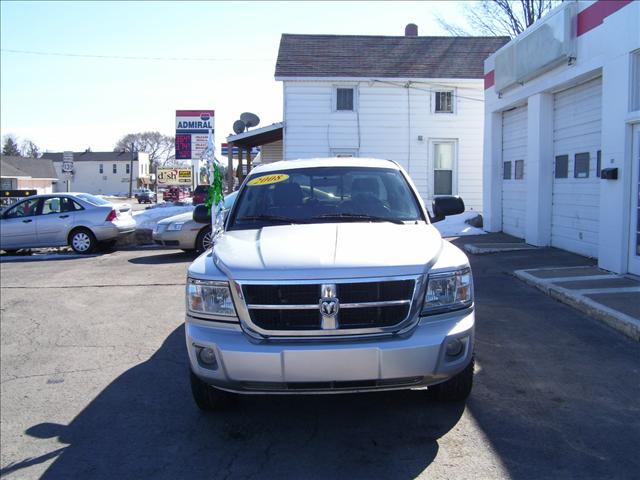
(329, 307)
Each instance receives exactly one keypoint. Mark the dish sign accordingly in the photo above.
(174, 176)
(192, 130)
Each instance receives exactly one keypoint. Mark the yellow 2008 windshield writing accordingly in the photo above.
(268, 179)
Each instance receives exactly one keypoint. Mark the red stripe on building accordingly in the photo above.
(489, 79)
(591, 17)
(193, 113)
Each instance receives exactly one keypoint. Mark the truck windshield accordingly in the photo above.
(325, 194)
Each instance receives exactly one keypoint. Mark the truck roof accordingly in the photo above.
(325, 162)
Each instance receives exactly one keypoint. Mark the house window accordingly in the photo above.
(562, 166)
(344, 99)
(444, 102)
(443, 164)
(101, 168)
(581, 165)
(115, 168)
(128, 169)
(519, 173)
(506, 170)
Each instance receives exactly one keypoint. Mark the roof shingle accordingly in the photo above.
(11, 166)
(384, 57)
(91, 156)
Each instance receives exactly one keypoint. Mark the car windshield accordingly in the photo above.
(325, 194)
(87, 197)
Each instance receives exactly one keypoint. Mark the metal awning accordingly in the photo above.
(257, 137)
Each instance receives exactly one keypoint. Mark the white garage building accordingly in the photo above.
(562, 133)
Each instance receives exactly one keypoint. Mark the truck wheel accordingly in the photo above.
(208, 398)
(203, 242)
(82, 240)
(456, 388)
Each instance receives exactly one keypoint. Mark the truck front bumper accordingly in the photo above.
(416, 359)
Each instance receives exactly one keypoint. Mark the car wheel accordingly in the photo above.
(203, 241)
(208, 398)
(82, 240)
(456, 388)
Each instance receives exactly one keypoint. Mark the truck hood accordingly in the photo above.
(327, 250)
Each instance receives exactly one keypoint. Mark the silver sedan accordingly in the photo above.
(180, 231)
(79, 220)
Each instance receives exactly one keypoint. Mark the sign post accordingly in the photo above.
(67, 166)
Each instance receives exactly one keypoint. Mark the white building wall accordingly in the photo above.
(382, 127)
(87, 176)
(605, 50)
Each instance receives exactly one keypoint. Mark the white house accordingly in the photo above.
(562, 133)
(106, 173)
(416, 100)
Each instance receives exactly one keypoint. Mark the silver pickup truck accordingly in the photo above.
(326, 277)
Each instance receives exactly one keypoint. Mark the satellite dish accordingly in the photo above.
(238, 126)
(250, 119)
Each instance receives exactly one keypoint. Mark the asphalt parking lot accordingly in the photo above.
(94, 385)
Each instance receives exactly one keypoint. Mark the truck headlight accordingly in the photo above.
(448, 291)
(175, 226)
(210, 297)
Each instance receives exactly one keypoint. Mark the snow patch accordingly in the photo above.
(148, 219)
(454, 226)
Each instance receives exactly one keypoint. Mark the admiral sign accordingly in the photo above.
(174, 176)
(192, 130)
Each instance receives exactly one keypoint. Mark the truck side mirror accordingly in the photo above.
(446, 206)
(201, 214)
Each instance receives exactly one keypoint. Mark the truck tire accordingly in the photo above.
(456, 388)
(208, 398)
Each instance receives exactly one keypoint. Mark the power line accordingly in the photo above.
(409, 85)
(130, 57)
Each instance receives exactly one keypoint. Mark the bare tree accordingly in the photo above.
(498, 17)
(29, 149)
(159, 147)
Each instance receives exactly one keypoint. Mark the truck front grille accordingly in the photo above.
(362, 305)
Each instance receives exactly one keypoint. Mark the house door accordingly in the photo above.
(634, 240)
(444, 167)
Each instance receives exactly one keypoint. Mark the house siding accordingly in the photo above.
(381, 127)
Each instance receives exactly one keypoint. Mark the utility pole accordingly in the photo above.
(131, 172)
(155, 181)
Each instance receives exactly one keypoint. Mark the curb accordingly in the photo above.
(479, 249)
(621, 322)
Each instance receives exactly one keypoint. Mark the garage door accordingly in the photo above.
(514, 155)
(576, 191)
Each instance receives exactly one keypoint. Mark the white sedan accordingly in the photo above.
(180, 231)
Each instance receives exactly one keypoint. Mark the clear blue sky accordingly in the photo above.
(71, 103)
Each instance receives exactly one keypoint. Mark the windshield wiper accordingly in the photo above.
(270, 218)
(357, 216)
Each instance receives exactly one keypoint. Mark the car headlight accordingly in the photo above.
(175, 226)
(210, 297)
(448, 291)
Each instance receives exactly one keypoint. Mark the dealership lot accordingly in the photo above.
(94, 385)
